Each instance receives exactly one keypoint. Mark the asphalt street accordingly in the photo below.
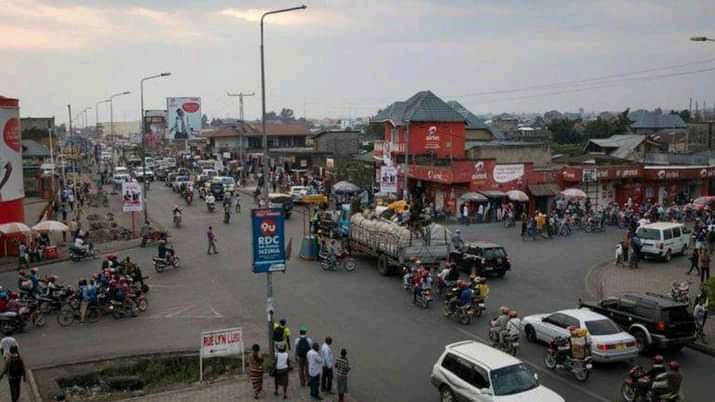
(392, 344)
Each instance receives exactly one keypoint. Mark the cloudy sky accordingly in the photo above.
(345, 58)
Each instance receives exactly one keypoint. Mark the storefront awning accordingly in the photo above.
(493, 193)
(544, 190)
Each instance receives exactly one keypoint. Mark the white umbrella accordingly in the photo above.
(50, 226)
(517, 195)
(473, 197)
(15, 228)
(573, 193)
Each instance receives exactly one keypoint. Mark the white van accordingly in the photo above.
(663, 239)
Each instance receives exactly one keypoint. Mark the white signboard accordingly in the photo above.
(132, 197)
(11, 184)
(222, 342)
(508, 173)
(388, 179)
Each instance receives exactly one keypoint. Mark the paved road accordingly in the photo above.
(393, 344)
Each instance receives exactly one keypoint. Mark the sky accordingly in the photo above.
(349, 58)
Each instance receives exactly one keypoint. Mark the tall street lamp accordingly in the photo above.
(111, 121)
(141, 130)
(701, 39)
(96, 117)
(269, 285)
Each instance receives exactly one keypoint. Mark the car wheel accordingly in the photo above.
(446, 395)
(530, 334)
(642, 340)
(668, 256)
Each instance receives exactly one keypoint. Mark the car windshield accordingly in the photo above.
(602, 327)
(513, 380)
(494, 253)
(648, 234)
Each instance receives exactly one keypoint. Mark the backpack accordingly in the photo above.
(279, 333)
(303, 347)
(15, 368)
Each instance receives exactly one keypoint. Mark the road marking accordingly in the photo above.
(216, 313)
(543, 370)
(179, 311)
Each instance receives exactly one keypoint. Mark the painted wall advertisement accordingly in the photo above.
(508, 173)
(184, 117)
(11, 185)
(432, 139)
(268, 240)
(388, 179)
(132, 197)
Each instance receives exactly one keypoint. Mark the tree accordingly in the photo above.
(286, 115)
(204, 121)
(564, 131)
(684, 114)
(604, 127)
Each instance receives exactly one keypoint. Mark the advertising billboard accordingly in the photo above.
(154, 128)
(268, 240)
(132, 199)
(183, 117)
(388, 179)
(11, 184)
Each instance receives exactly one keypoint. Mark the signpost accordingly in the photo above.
(223, 342)
(269, 253)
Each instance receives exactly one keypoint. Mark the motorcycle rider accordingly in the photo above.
(423, 281)
(668, 383)
(226, 211)
(657, 368)
(513, 326)
(35, 279)
(457, 244)
(499, 323)
(409, 272)
(210, 201)
(580, 347)
(80, 246)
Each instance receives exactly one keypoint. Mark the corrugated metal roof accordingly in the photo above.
(34, 149)
(625, 144)
(474, 122)
(644, 119)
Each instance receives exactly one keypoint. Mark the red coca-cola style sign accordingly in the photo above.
(11, 134)
(191, 107)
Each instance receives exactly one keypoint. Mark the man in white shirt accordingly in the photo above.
(328, 366)
(315, 367)
(5, 344)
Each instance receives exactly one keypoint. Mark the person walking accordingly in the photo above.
(5, 344)
(619, 254)
(315, 367)
(281, 366)
(694, 263)
(255, 370)
(15, 370)
(700, 315)
(524, 222)
(281, 335)
(342, 367)
(302, 347)
(704, 264)
(212, 240)
(326, 353)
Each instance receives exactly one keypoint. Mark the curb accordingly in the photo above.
(183, 351)
(33, 386)
(705, 349)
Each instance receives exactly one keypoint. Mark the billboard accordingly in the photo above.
(11, 182)
(154, 128)
(268, 240)
(388, 179)
(183, 117)
(132, 199)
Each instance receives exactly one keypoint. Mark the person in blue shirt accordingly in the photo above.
(35, 279)
(466, 297)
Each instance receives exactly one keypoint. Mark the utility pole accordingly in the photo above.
(406, 192)
(240, 96)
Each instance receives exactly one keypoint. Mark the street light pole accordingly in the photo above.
(111, 122)
(96, 116)
(240, 96)
(264, 191)
(141, 130)
(702, 39)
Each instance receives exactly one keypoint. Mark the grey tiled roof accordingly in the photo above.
(654, 120)
(424, 106)
(624, 144)
(474, 122)
(34, 149)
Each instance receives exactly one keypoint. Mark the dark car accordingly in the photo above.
(281, 201)
(484, 259)
(656, 321)
(217, 190)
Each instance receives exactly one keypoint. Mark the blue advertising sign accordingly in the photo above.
(268, 240)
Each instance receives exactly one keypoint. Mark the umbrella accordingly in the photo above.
(50, 226)
(473, 197)
(517, 195)
(15, 228)
(343, 187)
(573, 193)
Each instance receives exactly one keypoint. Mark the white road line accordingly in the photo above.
(543, 370)
(179, 311)
(216, 313)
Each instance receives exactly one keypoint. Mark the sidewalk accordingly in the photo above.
(239, 389)
(651, 276)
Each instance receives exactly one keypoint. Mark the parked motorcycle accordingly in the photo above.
(171, 261)
(680, 291)
(77, 254)
(580, 368)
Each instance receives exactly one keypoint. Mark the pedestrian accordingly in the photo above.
(281, 366)
(23, 256)
(64, 212)
(281, 335)
(212, 240)
(15, 370)
(626, 246)
(704, 265)
(619, 254)
(255, 370)
(326, 353)
(70, 200)
(315, 367)
(700, 314)
(342, 367)
(524, 223)
(302, 347)
(694, 262)
(5, 344)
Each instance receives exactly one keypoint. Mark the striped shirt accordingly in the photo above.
(342, 366)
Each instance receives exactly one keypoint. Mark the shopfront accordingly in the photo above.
(606, 184)
(677, 184)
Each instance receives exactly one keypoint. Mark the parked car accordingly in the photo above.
(473, 371)
(298, 192)
(141, 175)
(484, 258)
(281, 201)
(609, 343)
(119, 178)
(171, 162)
(656, 321)
(663, 239)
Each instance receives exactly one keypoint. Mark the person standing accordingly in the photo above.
(212, 240)
(524, 223)
(315, 367)
(5, 344)
(15, 370)
(302, 347)
(342, 367)
(281, 335)
(281, 365)
(255, 370)
(694, 263)
(328, 365)
(704, 265)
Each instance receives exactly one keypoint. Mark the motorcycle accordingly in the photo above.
(77, 254)
(638, 386)
(189, 197)
(593, 225)
(52, 304)
(171, 260)
(68, 314)
(226, 216)
(462, 314)
(580, 368)
(121, 309)
(680, 291)
(343, 260)
(177, 220)
(16, 321)
(424, 298)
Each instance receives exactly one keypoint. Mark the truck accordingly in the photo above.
(393, 245)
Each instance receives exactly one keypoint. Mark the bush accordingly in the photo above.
(710, 291)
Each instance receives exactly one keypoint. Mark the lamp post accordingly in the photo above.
(96, 117)
(141, 130)
(264, 190)
(701, 39)
(111, 122)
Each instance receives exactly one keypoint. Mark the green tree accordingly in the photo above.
(604, 127)
(684, 114)
(286, 115)
(204, 121)
(564, 131)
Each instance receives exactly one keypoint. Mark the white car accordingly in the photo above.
(178, 181)
(171, 162)
(141, 174)
(663, 239)
(229, 185)
(473, 371)
(298, 192)
(609, 343)
(120, 178)
(121, 170)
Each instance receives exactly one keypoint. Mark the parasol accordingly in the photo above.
(517, 195)
(573, 193)
(50, 226)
